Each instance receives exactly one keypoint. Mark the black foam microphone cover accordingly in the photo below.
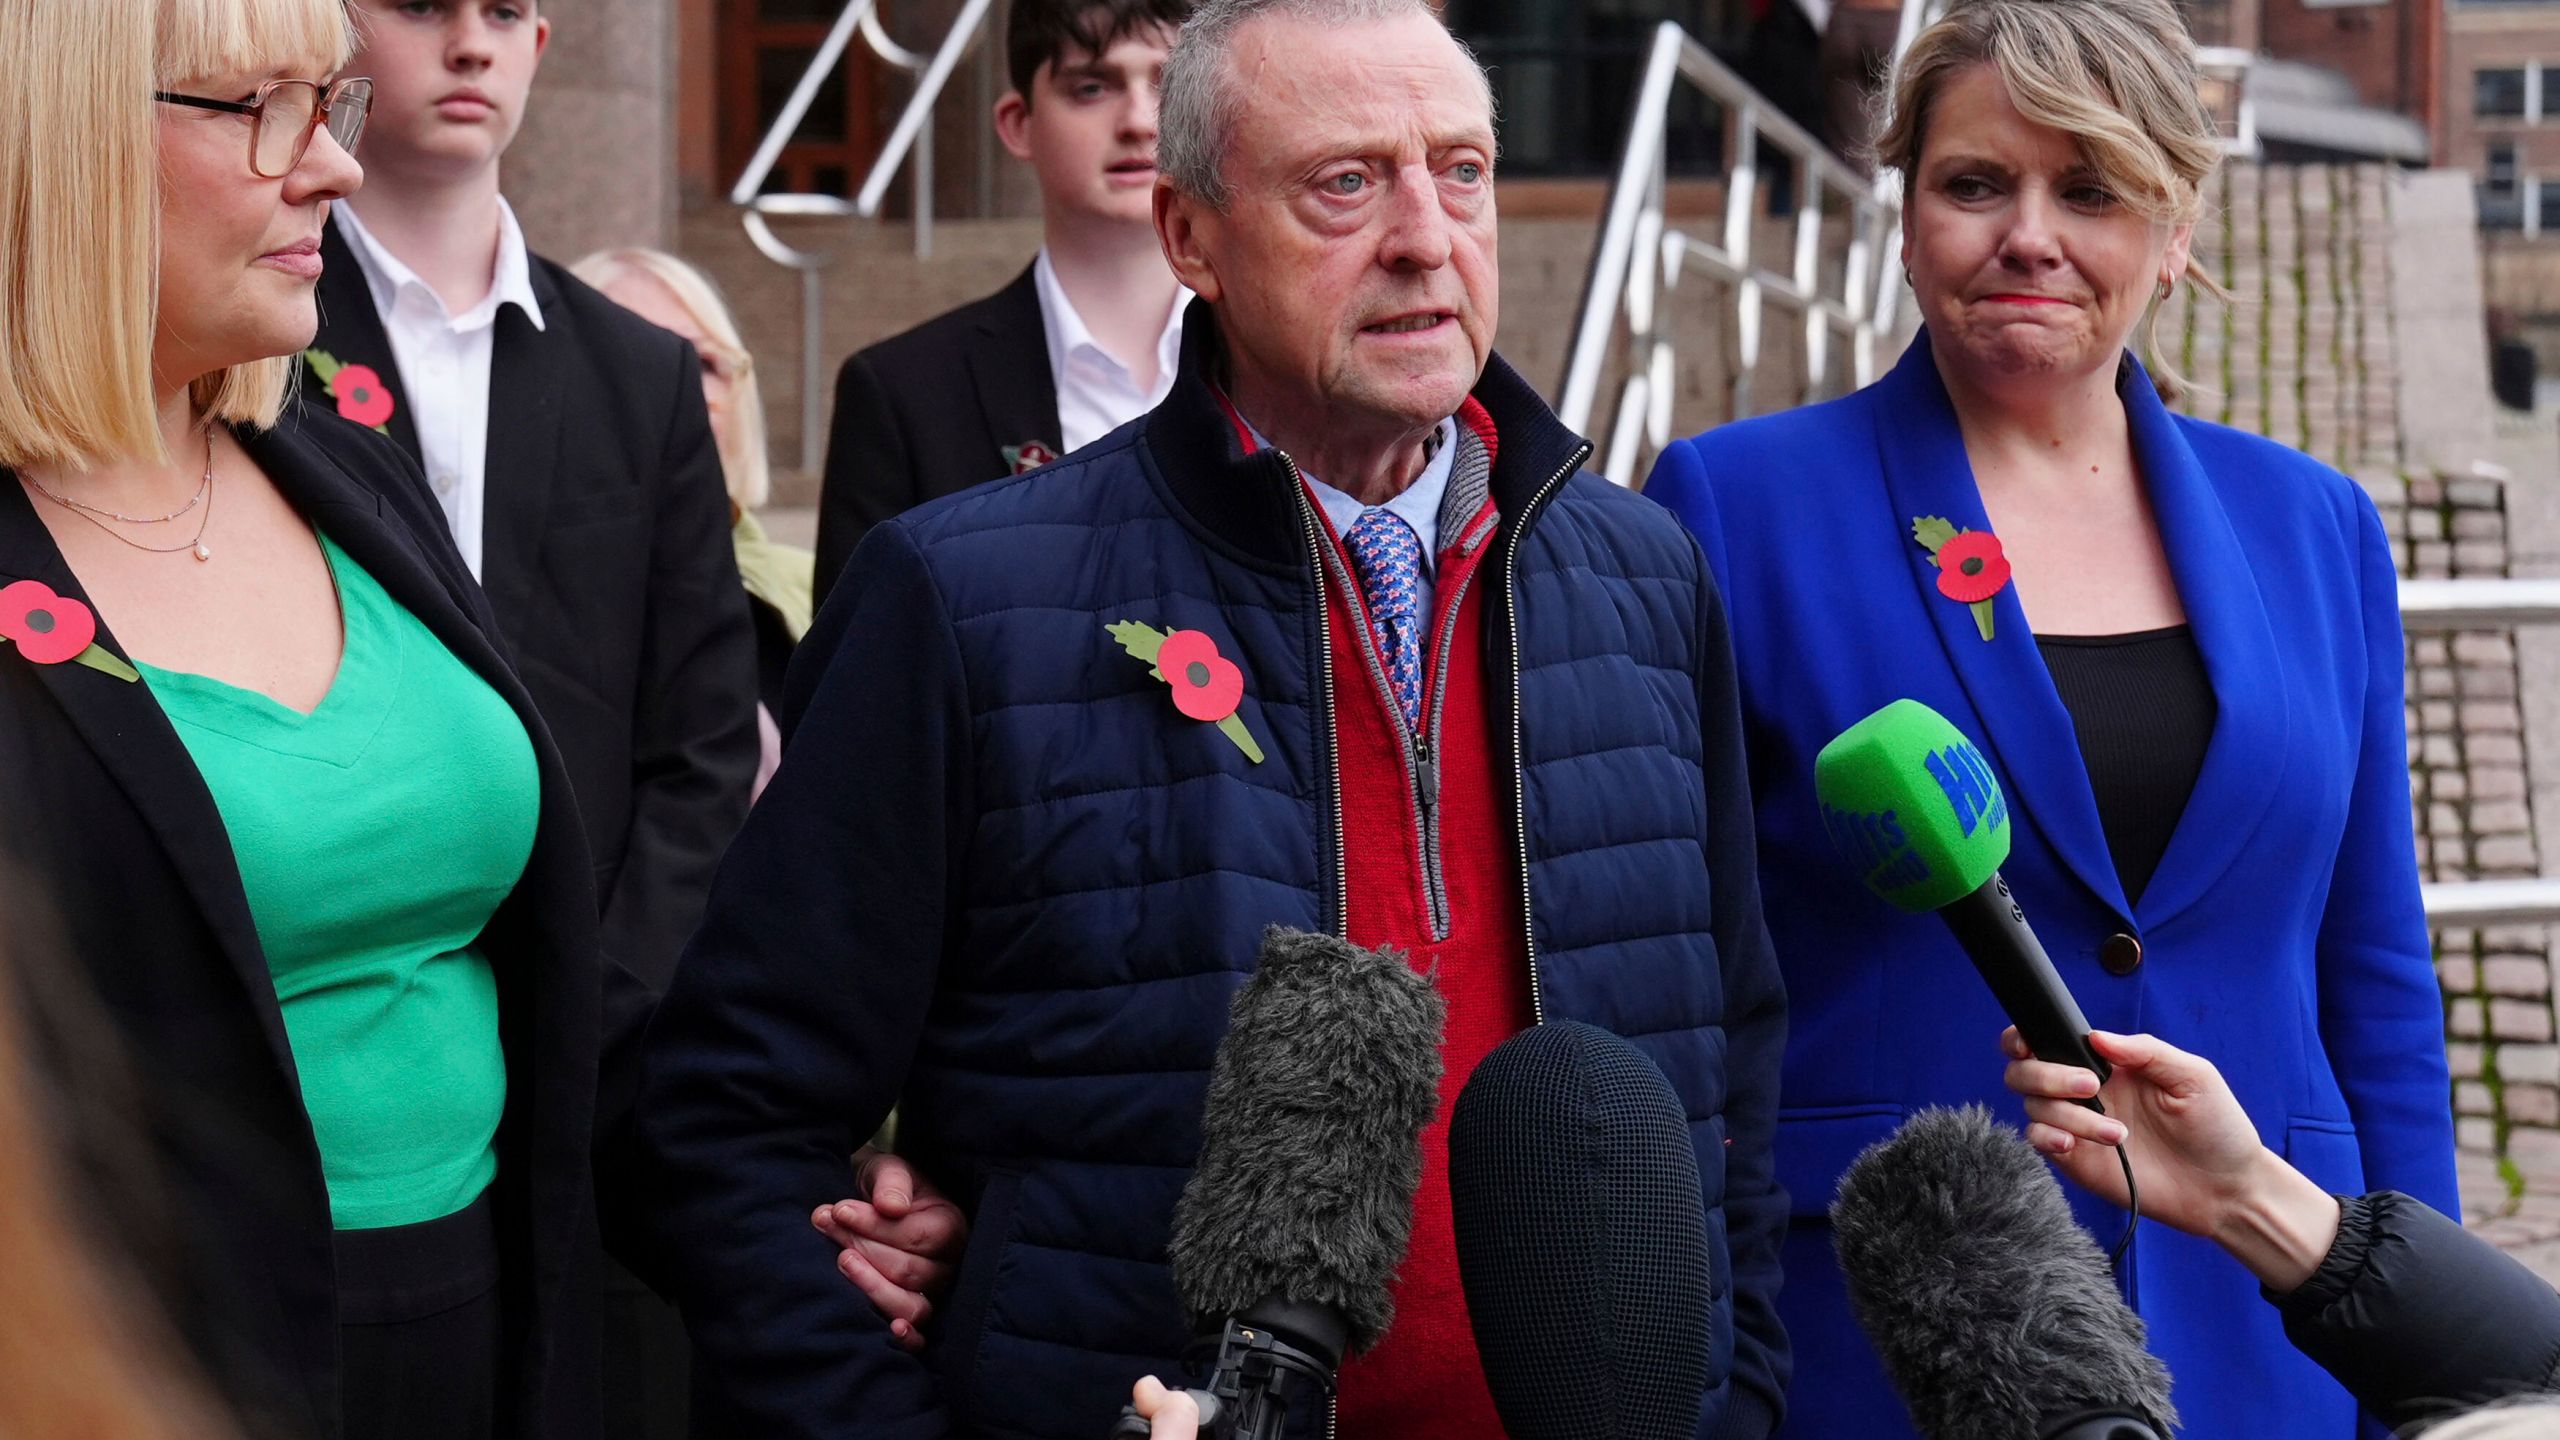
(1582, 1239)
(1994, 1313)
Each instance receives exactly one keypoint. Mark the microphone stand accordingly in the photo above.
(1258, 1369)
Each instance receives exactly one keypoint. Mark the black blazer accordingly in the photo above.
(964, 397)
(609, 563)
(111, 828)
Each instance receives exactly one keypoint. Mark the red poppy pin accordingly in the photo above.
(48, 629)
(359, 391)
(1028, 456)
(1971, 568)
(1206, 686)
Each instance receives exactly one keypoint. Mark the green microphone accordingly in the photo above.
(1911, 805)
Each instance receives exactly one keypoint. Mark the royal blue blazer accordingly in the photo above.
(2281, 936)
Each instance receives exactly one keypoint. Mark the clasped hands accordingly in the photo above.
(900, 1241)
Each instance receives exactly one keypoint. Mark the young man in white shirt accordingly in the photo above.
(1081, 342)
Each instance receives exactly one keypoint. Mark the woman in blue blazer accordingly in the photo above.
(2185, 667)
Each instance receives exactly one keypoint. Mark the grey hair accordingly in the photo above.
(2523, 1420)
(1197, 115)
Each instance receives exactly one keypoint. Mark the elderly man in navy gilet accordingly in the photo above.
(1341, 637)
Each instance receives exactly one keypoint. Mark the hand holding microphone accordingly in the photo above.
(1170, 1414)
(2205, 1170)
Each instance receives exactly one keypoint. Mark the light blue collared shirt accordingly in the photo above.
(1418, 506)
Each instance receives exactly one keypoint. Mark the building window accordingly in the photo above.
(2501, 195)
(2499, 94)
(2547, 207)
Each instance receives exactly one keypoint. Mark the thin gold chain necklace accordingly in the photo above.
(204, 494)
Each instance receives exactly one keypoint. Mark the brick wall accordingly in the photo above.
(2377, 46)
(2472, 806)
(2309, 354)
(2304, 351)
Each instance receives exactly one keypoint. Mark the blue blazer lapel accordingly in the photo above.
(1920, 448)
(2228, 617)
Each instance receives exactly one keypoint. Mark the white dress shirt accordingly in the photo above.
(444, 365)
(1096, 393)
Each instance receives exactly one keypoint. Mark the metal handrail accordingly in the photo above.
(2437, 606)
(1617, 287)
(1639, 256)
(912, 135)
(2489, 904)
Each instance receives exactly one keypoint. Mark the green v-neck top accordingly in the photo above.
(375, 837)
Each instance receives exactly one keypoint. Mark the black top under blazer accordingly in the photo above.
(933, 411)
(609, 563)
(111, 829)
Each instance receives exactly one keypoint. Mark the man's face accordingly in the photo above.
(1353, 268)
(450, 78)
(1088, 128)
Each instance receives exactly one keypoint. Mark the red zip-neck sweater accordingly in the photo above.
(1424, 1381)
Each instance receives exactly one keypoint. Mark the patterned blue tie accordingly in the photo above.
(1388, 556)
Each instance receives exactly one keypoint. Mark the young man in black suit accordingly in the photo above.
(1082, 341)
(567, 443)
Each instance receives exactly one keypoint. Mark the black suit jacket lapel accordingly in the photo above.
(132, 737)
(528, 378)
(352, 514)
(1009, 359)
(352, 333)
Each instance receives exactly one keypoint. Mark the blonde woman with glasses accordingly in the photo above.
(262, 756)
(2177, 645)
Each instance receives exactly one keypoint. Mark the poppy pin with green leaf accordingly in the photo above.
(1206, 686)
(49, 629)
(358, 389)
(1971, 568)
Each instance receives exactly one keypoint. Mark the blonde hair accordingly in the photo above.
(2119, 76)
(80, 210)
(742, 450)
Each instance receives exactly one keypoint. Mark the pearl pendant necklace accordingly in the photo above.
(196, 547)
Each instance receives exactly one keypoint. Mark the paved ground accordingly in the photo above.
(2526, 1226)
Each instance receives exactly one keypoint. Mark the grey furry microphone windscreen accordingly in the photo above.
(1993, 1311)
(1582, 1239)
(1311, 1137)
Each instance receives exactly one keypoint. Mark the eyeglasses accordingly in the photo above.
(287, 113)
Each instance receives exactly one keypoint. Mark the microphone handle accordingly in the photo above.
(1994, 934)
